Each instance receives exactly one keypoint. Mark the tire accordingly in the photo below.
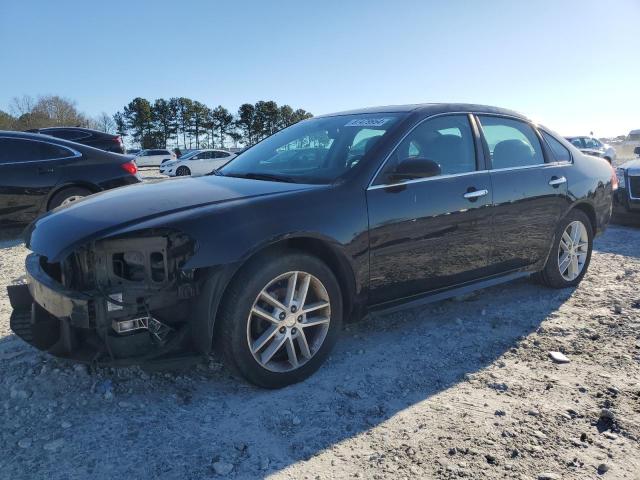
(238, 325)
(183, 172)
(68, 195)
(551, 275)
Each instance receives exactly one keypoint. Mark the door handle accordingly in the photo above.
(475, 194)
(555, 182)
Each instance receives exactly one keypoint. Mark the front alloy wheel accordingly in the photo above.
(289, 321)
(279, 318)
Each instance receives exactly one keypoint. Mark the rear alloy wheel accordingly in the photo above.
(571, 252)
(280, 319)
(68, 196)
(183, 172)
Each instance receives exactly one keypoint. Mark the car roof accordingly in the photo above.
(431, 109)
(81, 129)
(27, 135)
(51, 139)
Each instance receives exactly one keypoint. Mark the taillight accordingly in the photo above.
(130, 167)
(614, 178)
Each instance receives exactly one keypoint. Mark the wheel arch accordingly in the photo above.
(209, 306)
(590, 211)
(93, 188)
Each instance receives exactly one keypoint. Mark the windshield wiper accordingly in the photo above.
(264, 176)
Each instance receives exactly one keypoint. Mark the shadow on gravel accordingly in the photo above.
(621, 217)
(127, 423)
(622, 243)
(10, 236)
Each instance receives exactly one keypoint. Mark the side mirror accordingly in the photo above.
(636, 150)
(415, 167)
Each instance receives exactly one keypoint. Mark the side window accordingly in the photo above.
(512, 143)
(447, 140)
(560, 152)
(13, 150)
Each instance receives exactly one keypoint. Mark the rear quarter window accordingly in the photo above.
(559, 151)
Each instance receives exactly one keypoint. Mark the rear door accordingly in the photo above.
(220, 159)
(529, 192)
(430, 233)
(29, 169)
(202, 163)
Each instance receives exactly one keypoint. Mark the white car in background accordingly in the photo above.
(196, 163)
(593, 146)
(153, 157)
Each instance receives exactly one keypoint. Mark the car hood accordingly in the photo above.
(59, 232)
(631, 165)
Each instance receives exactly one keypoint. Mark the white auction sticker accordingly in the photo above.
(367, 122)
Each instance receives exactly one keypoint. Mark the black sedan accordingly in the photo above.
(39, 173)
(628, 195)
(264, 259)
(85, 136)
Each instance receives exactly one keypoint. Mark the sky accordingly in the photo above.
(573, 65)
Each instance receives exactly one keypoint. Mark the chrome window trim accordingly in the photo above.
(529, 167)
(76, 154)
(544, 130)
(386, 159)
(371, 186)
(428, 179)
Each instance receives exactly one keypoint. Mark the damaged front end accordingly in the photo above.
(115, 300)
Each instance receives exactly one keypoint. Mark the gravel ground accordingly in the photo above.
(462, 388)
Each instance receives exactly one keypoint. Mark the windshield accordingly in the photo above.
(318, 150)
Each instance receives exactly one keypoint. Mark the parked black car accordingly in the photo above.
(39, 173)
(85, 136)
(266, 258)
(628, 195)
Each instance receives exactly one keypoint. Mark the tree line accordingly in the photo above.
(174, 123)
(27, 112)
(185, 123)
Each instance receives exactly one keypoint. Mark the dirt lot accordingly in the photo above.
(462, 388)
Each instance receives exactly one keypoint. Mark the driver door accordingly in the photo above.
(430, 233)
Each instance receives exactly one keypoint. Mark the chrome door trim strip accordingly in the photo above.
(428, 179)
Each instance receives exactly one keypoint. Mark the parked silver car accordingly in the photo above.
(593, 146)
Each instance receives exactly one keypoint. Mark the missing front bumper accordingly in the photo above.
(65, 323)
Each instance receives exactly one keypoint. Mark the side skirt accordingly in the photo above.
(444, 294)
